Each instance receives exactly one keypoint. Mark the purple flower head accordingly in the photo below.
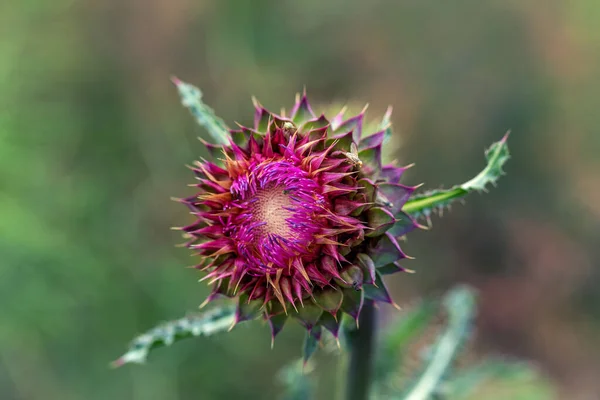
(297, 217)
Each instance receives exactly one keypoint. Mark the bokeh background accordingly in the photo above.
(93, 142)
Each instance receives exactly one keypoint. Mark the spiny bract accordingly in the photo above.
(298, 217)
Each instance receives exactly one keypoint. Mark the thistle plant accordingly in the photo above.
(296, 218)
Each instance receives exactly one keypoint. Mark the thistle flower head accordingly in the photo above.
(297, 217)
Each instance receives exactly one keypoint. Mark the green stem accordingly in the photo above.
(340, 378)
(362, 348)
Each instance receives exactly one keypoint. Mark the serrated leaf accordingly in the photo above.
(496, 156)
(205, 324)
(401, 335)
(498, 379)
(424, 204)
(191, 98)
(460, 306)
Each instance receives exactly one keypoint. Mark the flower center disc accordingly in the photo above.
(280, 214)
(272, 206)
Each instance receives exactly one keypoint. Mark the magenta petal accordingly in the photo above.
(213, 231)
(214, 244)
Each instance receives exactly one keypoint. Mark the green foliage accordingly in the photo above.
(459, 303)
(497, 379)
(399, 337)
(426, 203)
(438, 376)
(435, 377)
(191, 98)
(205, 324)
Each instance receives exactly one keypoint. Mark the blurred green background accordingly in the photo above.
(93, 142)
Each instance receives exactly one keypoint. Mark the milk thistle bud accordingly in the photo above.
(297, 217)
